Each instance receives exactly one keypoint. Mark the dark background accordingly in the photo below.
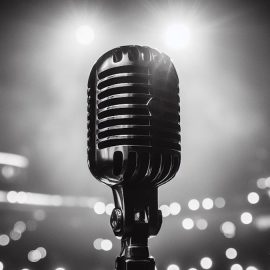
(225, 116)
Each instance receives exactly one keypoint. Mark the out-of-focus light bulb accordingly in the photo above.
(4, 240)
(109, 208)
(173, 267)
(220, 202)
(177, 36)
(206, 263)
(188, 223)
(231, 253)
(165, 210)
(106, 244)
(207, 203)
(236, 266)
(228, 229)
(1, 266)
(84, 34)
(252, 268)
(253, 197)
(99, 208)
(193, 204)
(201, 224)
(246, 218)
(175, 208)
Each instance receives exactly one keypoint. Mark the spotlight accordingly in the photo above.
(231, 253)
(99, 208)
(173, 267)
(207, 203)
(193, 204)
(236, 266)
(253, 197)
(246, 218)
(206, 263)
(228, 229)
(175, 208)
(187, 223)
(177, 36)
(84, 34)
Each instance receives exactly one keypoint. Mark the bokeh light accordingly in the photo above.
(231, 253)
(175, 208)
(173, 267)
(207, 203)
(188, 223)
(193, 204)
(228, 229)
(236, 266)
(253, 197)
(177, 36)
(220, 202)
(206, 263)
(4, 240)
(99, 208)
(202, 224)
(85, 34)
(246, 218)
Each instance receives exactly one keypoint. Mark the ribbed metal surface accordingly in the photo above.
(133, 117)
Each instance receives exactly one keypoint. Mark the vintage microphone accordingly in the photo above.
(134, 141)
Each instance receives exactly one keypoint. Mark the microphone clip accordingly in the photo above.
(135, 218)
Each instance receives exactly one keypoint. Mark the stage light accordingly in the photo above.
(207, 203)
(106, 244)
(84, 34)
(246, 218)
(60, 268)
(188, 223)
(175, 208)
(177, 36)
(236, 266)
(34, 255)
(4, 240)
(165, 209)
(253, 197)
(42, 251)
(220, 202)
(252, 268)
(8, 171)
(15, 236)
(192, 268)
(21, 197)
(261, 183)
(109, 208)
(228, 229)
(206, 263)
(13, 160)
(193, 204)
(12, 196)
(201, 224)
(97, 243)
(19, 226)
(1, 266)
(99, 208)
(231, 253)
(173, 267)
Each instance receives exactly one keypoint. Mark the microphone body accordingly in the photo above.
(134, 141)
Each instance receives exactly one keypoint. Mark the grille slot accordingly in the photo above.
(123, 111)
(129, 89)
(123, 100)
(124, 121)
(122, 69)
(143, 79)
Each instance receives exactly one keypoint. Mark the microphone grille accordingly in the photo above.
(133, 109)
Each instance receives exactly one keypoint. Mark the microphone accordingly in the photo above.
(134, 141)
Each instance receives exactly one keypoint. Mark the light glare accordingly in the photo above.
(173, 267)
(246, 218)
(84, 34)
(177, 36)
(193, 204)
(206, 263)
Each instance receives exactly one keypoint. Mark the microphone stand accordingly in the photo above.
(135, 218)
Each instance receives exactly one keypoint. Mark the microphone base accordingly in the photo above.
(123, 263)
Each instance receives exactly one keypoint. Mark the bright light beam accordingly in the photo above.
(177, 36)
(85, 35)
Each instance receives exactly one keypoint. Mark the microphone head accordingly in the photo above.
(133, 118)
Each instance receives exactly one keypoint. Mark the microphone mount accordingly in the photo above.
(135, 218)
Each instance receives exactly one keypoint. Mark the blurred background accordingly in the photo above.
(54, 214)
